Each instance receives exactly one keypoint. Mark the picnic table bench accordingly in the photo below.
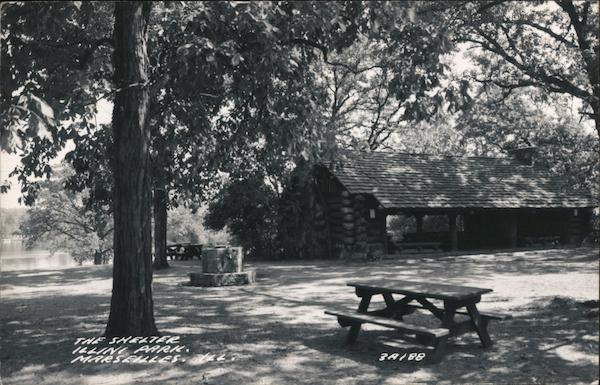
(545, 240)
(453, 299)
(419, 246)
(184, 251)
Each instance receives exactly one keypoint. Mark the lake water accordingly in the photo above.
(14, 256)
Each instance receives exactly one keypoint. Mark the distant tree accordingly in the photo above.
(7, 226)
(10, 220)
(62, 220)
(398, 225)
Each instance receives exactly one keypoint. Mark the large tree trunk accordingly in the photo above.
(131, 307)
(160, 222)
(160, 196)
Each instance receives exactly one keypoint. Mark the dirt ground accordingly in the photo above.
(275, 331)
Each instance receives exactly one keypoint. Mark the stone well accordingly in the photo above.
(222, 266)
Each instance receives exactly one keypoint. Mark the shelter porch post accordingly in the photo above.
(513, 230)
(419, 218)
(453, 232)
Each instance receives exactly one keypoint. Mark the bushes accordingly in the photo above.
(183, 225)
(246, 208)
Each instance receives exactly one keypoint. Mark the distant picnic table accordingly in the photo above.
(184, 251)
(453, 298)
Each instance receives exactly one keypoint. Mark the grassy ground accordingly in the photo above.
(275, 332)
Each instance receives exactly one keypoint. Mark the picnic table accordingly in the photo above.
(451, 299)
(184, 251)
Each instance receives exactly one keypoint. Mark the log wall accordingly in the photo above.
(346, 218)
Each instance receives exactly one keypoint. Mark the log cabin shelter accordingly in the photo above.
(481, 203)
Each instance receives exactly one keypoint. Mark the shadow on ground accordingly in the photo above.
(275, 332)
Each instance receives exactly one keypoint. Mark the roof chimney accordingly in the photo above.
(523, 155)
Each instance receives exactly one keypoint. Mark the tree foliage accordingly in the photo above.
(396, 75)
(552, 46)
(247, 208)
(187, 226)
(56, 63)
(496, 125)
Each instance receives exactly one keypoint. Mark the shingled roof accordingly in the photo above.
(432, 181)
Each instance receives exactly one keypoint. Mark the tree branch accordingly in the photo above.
(489, 5)
(557, 84)
(590, 58)
(85, 57)
(546, 30)
(325, 53)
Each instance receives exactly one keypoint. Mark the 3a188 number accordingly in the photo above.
(401, 356)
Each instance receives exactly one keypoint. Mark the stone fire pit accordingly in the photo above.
(222, 266)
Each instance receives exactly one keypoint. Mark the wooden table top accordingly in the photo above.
(420, 289)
